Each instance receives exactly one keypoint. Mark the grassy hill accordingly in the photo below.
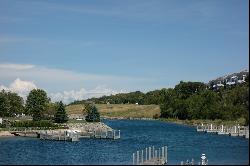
(119, 110)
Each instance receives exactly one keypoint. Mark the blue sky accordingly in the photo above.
(115, 46)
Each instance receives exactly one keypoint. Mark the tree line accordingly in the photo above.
(187, 100)
(39, 106)
(190, 100)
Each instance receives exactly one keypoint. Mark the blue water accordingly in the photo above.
(183, 143)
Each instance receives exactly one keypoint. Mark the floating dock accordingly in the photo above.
(233, 131)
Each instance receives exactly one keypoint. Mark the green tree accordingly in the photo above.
(36, 104)
(10, 104)
(16, 103)
(92, 113)
(4, 104)
(61, 115)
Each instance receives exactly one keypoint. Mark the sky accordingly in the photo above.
(88, 48)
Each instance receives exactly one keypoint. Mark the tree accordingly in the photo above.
(61, 115)
(4, 104)
(10, 104)
(36, 104)
(92, 113)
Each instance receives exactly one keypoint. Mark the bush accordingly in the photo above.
(42, 123)
(155, 116)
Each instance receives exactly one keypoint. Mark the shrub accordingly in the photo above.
(42, 123)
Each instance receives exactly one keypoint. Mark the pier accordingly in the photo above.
(150, 156)
(236, 130)
(67, 134)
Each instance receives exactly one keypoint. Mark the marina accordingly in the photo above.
(183, 142)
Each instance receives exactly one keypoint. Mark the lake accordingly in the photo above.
(183, 143)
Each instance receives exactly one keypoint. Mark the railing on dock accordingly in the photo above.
(108, 134)
(59, 136)
(236, 130)
(150, 156)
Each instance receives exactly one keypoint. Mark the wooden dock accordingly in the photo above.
(150, 156)
(233, 131)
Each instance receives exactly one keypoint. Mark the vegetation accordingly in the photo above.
(92, 113)
(187, 101)
(30, 123)
(10, 104)
(118, 110)
(61, 115)
(36, 104)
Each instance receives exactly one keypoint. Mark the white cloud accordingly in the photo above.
(23, 88)
(15, 66)
(65, 85)
(20, 87)
(72, 95)
(58, 80)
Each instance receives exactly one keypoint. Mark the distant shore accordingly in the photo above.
(193, 122)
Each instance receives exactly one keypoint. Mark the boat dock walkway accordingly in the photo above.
(236, 130)
(150, 156)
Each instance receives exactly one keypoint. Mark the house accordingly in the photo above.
(243, 79)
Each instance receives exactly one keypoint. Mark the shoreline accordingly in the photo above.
(5, 134)
(192, 123)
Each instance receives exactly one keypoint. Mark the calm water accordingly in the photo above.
(183, 143)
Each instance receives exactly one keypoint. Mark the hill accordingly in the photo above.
(119, 110)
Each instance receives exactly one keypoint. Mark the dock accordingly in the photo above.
(151, 156)
(67, 135)
(237, 130)
(204, 161)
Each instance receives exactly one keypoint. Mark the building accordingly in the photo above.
(77, 116)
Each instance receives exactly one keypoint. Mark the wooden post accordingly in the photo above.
(137, 161)
(166, 154)
(159, 153)
(114, 133)
(153, 152)
(162, 152)
(142, 156)
(146, 155)
(133, 158)
(119, 133)
(149, 153)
